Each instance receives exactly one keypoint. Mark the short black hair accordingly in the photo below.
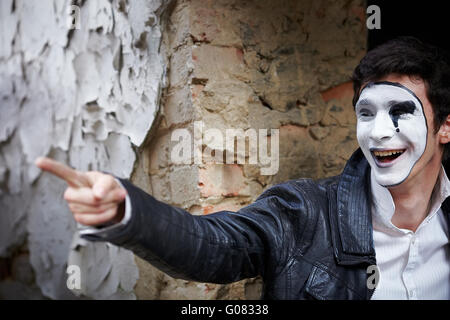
(410, 56)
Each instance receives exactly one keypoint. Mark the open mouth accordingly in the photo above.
(387, 156)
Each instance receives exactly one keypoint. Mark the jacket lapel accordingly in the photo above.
(350, 213)
(446, 204)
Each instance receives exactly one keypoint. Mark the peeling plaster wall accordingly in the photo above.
(87, 97)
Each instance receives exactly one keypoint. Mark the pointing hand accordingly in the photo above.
(93, 197)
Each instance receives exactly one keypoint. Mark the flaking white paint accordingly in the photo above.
(86, 97)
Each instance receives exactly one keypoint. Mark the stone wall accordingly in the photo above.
(251, 65)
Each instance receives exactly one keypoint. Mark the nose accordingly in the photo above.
(383, 128)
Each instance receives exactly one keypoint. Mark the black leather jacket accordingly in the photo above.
(307, 239)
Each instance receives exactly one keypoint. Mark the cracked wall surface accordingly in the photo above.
(87, 97)
(255, 64)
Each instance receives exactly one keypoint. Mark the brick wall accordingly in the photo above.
(251, 65)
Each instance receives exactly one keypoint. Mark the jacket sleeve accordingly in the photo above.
(221, 247)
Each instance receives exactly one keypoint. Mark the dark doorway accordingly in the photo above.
(425, 20)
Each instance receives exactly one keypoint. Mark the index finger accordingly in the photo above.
(71, 176)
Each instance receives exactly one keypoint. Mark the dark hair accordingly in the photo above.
(410, 56)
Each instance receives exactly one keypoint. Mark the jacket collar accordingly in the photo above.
(446, 204)
(353, 211)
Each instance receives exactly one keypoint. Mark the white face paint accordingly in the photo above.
(391, 130)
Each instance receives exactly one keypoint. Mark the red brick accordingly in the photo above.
(223, 206)
(221, 180)
(339, 92)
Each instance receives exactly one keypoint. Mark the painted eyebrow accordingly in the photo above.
(400, 102)
(364, 102)
(407, 106)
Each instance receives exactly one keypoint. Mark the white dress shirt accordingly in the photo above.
(412, 265)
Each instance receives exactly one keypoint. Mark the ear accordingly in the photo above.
(444, 131)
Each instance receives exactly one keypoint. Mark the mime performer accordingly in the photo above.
(387, 211)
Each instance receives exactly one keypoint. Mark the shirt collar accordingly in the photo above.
(383, 206)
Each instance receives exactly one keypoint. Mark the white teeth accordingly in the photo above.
(387, 153)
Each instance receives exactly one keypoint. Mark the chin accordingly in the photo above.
(390, 180)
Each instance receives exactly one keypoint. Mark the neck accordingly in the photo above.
(412, 198)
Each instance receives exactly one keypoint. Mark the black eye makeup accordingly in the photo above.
(363, 108)
(399, 109)
(364, 112)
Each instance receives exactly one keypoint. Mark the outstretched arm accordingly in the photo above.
(221, 247)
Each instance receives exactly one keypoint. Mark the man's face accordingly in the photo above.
(395, 129)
